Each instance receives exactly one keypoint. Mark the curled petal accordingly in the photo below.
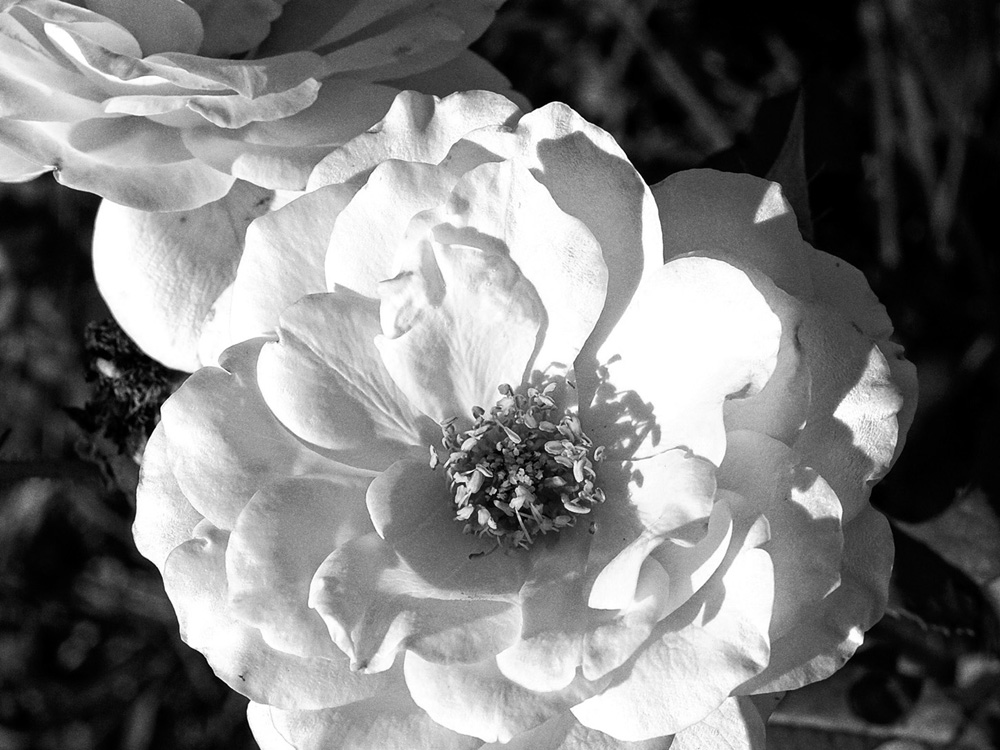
(158, 26)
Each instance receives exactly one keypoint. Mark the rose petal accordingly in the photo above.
(820, 643)
(373, 724)
(804, 515)
(324, 381)
(735, 217)
(466, 72)
(370, 229)
(160, 273)
(852, 426)
(195, 580)
(158, 26)
(550, 646)
(130, 161)
(223, 441)
(279, 541)
(458, 321)
(375, 605)
(666, 492)
(695, 659)
(477, 699)
(417, 128)
(412, 509)
(735, 725)
(233, 26)
(555, 251)
(283, 259)
(564, 732)
(716, 336)
(164, 518)
(281, 154)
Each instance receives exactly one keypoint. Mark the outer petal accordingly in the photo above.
(160, 273)
(374, 724)
(852, 427)
(417, 127)
(324, 380)
(131, 161)
(280, 539)
(282, 153)
(375, 605)
(223, 441)
(804, 517)
(233, 26)
(477, 699)
(564, 732)
(820, 644)
(694, 660)
(195, 580)
(283, 259)
(164, 518)
(715, 337)
(722, 215)
(735, 725)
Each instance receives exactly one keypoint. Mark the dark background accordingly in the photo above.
(902, 159)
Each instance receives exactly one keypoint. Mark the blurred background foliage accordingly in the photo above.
(900, 114)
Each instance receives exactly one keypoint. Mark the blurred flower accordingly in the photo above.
(512, 448)
(162, 104)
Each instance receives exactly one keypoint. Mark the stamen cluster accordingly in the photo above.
(515, 473)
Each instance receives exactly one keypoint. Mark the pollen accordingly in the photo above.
(519, 471)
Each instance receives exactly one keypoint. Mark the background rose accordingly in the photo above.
(750, 399)
(162, 104)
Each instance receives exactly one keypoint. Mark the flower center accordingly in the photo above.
(516, 473)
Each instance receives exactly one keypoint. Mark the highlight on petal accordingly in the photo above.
(564, 732)
(195, 580)
(714, 337)
(160, 273)
(324, 380)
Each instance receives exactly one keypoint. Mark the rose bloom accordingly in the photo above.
(514, 450)
(162, 104)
